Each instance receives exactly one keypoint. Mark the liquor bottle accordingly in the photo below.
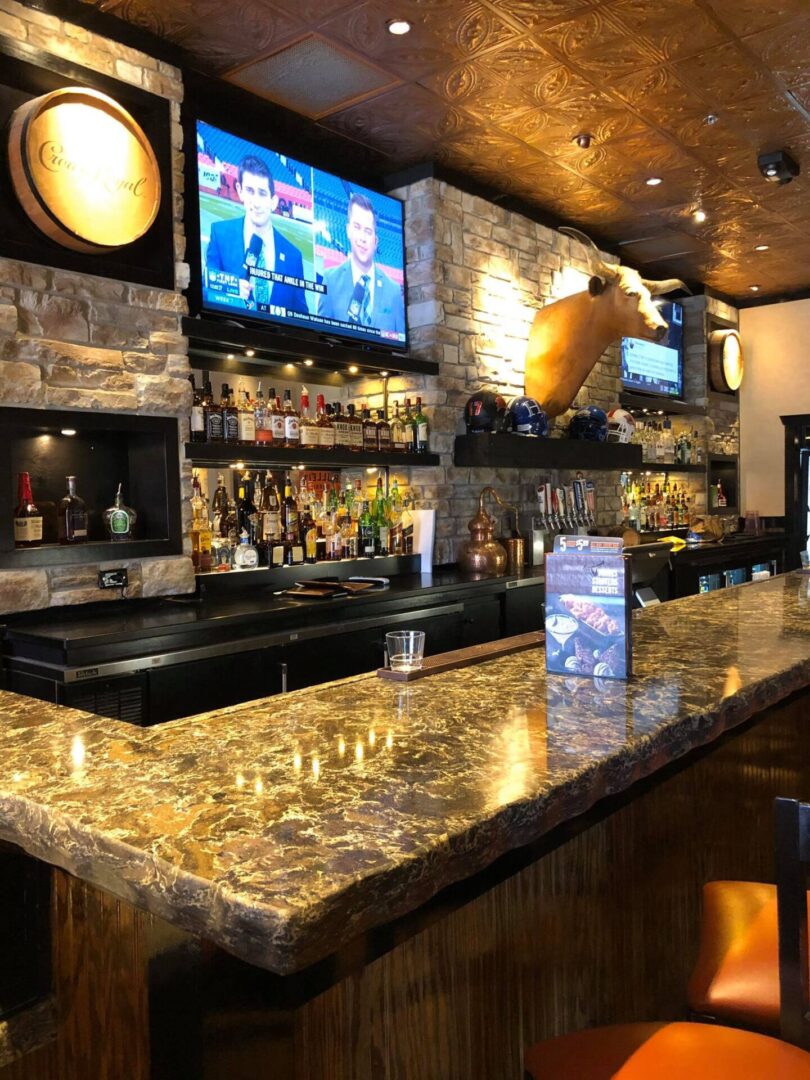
(230, 416)
(72, 516)
(246, 555)
(261, 414)
(212, 416)
(309, 429)
(197, 413)
(421, 435)
(411, 432)
(382, 525)
(247, 514)
(397, 432)
(326, 431)
(200, 531)
(270, 516)
(697, 449)
(27, 518)
(292, 432)
(355, 428)
(395, 518)
(290, 519)
(247, 420)
(220, 502)
(276, 415)
(369, 432)
(341, 427)
(119, 519)
(720, 496)
(366, 524)
(384, 444)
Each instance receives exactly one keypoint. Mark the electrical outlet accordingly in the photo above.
(113, 579)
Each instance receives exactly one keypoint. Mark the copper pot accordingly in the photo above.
(482, 553)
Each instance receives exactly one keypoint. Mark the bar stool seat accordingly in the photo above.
(677, 1051)
(736, 977)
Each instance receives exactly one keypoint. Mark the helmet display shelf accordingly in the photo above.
(506, 450)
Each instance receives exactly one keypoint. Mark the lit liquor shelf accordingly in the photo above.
(209, 455)
(670, 467)
(524, 452)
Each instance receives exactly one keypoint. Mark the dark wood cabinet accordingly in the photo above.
(523, 609)
(213, 683)
(482, 620)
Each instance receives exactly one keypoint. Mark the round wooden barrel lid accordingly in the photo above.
(83, 170)
(726, 361)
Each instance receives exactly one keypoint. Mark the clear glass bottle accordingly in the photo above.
(72, 516)
(309, 429)
(366, 532)
(27, 517)
(197, 412)
(246, 556)
(119, 519)
(292, 429)
(261, 415)
(421, 433)
(398, 442)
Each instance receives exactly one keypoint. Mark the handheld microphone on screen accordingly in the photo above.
(355, 303)
(252, 254)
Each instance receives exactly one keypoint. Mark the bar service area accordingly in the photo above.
(404, 540)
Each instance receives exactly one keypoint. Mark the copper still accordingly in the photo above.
(482, 553)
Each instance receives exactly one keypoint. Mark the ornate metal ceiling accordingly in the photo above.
(497, 89)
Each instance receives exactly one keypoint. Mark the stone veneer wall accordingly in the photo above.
(476, 274)
(73, 341)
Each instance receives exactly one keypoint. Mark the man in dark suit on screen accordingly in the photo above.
(357, 291)
(239, 244)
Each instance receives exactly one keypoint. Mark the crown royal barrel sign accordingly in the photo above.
(83, 170)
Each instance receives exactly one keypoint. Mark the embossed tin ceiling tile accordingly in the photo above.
(537, 13)
(746, 17)
(590, 30)
(668, 244)
(613, 59)
(784, 48)
(521, 61)
(165, 19)
(225, 37)
(312, 12)
(724, 75)
(768, 122)
(654, 85)
(674, 34)
(378, 122)
(469, 86)
(655, 155)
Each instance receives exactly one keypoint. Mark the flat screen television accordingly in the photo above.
(284, 243)
(656, 367)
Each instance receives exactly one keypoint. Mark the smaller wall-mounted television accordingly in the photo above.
(656, 367)
(284, 243)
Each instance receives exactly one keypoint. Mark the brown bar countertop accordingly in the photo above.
(283, 828)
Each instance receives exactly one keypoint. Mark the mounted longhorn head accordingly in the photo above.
(568, 336)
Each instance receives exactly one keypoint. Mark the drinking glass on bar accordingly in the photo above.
(406, 649)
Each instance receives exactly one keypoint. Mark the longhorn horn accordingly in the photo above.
(596, 263)
(668, 285)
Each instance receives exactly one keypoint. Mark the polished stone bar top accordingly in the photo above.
(283, 828)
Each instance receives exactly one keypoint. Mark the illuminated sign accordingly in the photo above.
(726, 361)
(83, 170)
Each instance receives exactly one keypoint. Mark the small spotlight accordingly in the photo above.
(778, 167)
(383, 374)
(68, 431)
(711, 119)
(762, 247)
(308, 363)
(371, 469)
(250, 352)
(300, 467)
(230, 356)
(583, 140)
(699, 216)
(653, 181)
(353, 369)
(754, 288)
(398, 27)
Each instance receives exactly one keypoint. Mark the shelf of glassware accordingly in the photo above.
(210, 455)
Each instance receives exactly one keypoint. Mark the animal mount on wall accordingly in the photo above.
(568, 336)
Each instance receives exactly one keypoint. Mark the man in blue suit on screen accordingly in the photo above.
(239, 244)
(357, 291)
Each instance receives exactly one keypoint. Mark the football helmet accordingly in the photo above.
(621, 426)
(526, 417)
(589, 423)
(485, 411)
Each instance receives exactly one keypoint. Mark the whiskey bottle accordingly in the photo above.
(27, 518)
(230, 416)
(398, 440)
(411, 433)
(292, 432)
(384, 444)
(289, 512)
(200, 531)
(261, 414)
(212, 416)
(246, 420)
(355, 429)
(326, 435)
(197, 413)
(309, 430)
(341, 428)
(247, 515)
(72, 516)
(276, 418)
(369, 433)
(420, 422)
(119, 518)
(220, 504)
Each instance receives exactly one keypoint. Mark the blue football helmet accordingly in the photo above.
(589, 423)
(527, 418)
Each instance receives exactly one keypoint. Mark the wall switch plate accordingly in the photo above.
(113, 579)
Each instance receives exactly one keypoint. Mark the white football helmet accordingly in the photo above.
(621, 426)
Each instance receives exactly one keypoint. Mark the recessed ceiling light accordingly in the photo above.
(353, 369)
(308, 363)
(754, 288)
(230, 356)
(398, 26)
(250, 352)
(712, 118)
(583, 140)
(68, 431)
(653, 181)
(699, 216)
(383, 374)
(762, 247)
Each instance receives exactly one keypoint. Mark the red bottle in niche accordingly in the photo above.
(27, 518)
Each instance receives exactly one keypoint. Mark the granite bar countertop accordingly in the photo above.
(282, 828)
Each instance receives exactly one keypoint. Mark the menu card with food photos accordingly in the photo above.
(588, 608)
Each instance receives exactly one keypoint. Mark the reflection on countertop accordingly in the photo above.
(282, 828)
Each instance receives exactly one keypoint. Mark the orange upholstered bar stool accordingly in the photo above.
(676, 1051)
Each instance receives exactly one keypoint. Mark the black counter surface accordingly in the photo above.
(139, 627)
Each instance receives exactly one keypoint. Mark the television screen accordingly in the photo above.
(283, 242)
(656, 367)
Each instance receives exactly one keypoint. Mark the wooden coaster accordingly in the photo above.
(461, 658)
